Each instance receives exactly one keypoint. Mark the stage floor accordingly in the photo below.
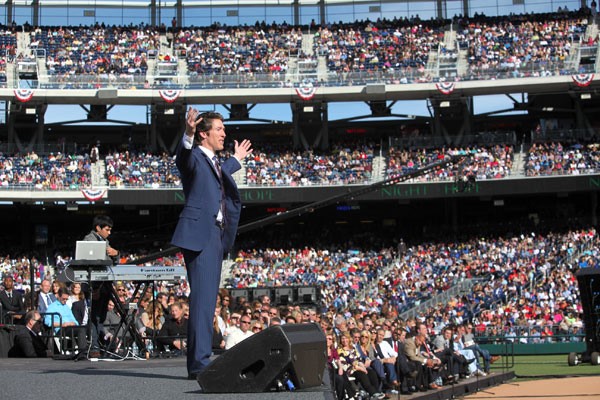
(157, 378)
(102, 380)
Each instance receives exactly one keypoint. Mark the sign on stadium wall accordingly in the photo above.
(297, 195)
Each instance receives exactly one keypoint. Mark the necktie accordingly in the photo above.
(9, 295)
(217, 165)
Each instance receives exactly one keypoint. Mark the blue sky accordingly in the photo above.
(282, 112)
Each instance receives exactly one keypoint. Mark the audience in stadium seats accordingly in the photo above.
(143, 170)
(89, 56)
(55, 171)
(521, 45)
(343, 164)
(484, 162)
(357, 52)
(556, 158)
(241, 52)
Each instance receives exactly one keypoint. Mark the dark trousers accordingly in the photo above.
(204, 276)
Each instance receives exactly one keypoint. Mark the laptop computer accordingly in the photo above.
(90, 250)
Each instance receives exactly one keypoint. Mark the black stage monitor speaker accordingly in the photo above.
(589, 289)
(265, 361)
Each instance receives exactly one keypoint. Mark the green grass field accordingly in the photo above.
(528, 367)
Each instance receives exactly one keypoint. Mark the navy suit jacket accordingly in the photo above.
(14, 304)
(202, 189)
(41, 305)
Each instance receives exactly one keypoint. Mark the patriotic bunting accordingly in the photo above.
(169, 95)
(93, 195)
(583, 80)
(23, 95)
(445, 87)
(306, 91)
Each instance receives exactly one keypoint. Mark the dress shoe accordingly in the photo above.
(94, 354)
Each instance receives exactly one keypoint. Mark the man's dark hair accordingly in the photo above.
(62, 291)
(29, 316)
(102, 221)
(207, 120)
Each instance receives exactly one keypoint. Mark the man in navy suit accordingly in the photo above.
(45, 298)
(208, 223)
(12, 302)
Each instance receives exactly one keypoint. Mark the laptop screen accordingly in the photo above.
(90, 250)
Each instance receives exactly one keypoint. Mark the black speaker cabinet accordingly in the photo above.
(589, 288)
(296, 352)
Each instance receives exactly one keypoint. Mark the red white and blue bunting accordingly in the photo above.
(24, 95)
(169, 95)
(306, 91)
(445, 87)
(93, 194)
(583, 80)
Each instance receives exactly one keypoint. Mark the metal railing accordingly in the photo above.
(237, 79)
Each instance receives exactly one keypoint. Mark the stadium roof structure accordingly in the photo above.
(239, 12)
(366, 92)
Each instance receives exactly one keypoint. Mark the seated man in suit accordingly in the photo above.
(13, 306)
(45, 297)
(28, 342)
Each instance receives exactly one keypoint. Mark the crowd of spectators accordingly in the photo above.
(102, 54)
(279, 166)
(537, 270)
(555, 158)
(384, 46)
(142, 170)
(481, 163)
(395, 50)
(518, 46)
(55, 171)
(241, 51)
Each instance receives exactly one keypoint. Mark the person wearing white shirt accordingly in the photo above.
(387, 355)
(238, 335)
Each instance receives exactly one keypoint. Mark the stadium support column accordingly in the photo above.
(310, 125)
(35, 19)
(322, 12)
(296, 12)
(40, 112)
(25, 126)
(581, 119)
(167, 125)
(153, 12)
(179, 12)
(9, 12)
(452, 117)
(440, 9)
